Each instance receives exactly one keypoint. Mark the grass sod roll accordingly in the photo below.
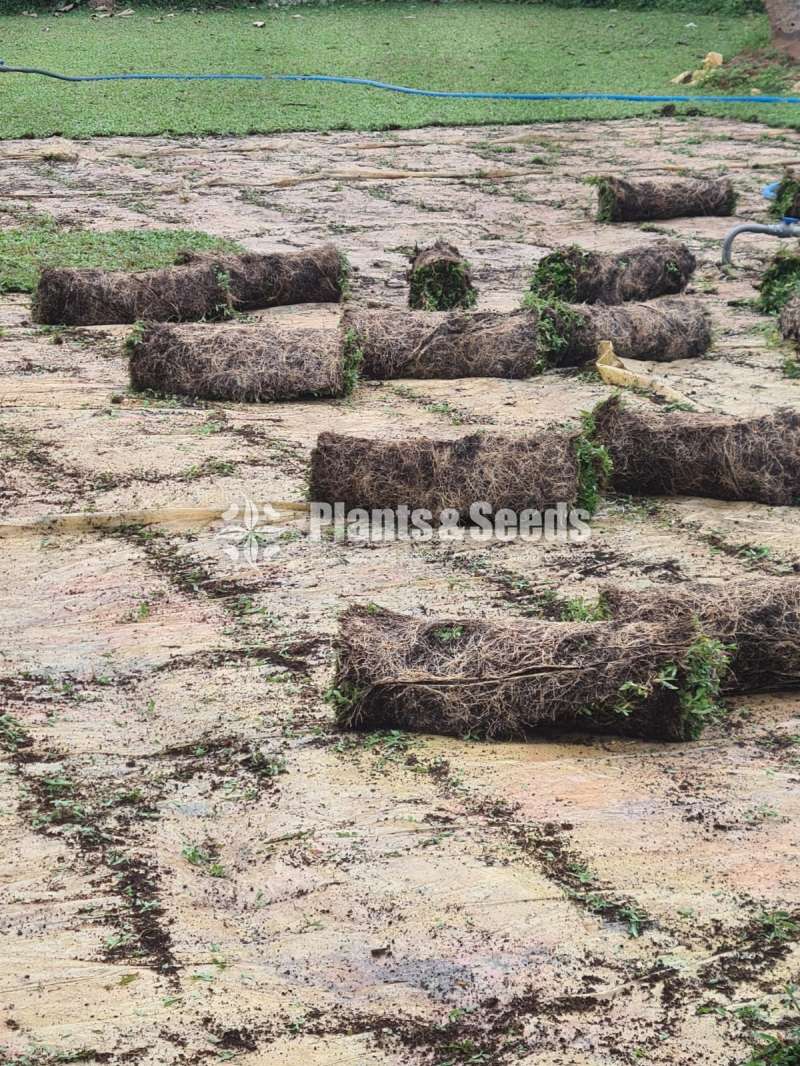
(780, 282)
(546, 333)
(439, 279)
(759, 620)
(619, 200)
(661, 331)
(789, 320)
(456, 344)
(641, 273)
(787, 198)
(721, 457)
(519, 473)
(199, 286)
(254, 364)
(507, 679)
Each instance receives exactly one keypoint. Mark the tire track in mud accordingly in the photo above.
(106, 822)
(735, 959)
(98, 821)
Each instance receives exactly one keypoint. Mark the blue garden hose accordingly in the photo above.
(407, 90)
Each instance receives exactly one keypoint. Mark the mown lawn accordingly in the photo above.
(513, 47)
(40, 242)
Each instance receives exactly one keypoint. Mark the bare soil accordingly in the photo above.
(195, 866)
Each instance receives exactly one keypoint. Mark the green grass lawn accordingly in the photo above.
(513, 47)
(40, 242)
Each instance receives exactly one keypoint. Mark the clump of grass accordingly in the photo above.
(780, 283)
(41, 242)
(345, 273)
(442, 286)
(557, 320)
(706, 665)
(554, 276)
(776, 1050)
(697, 681)
(343, 698)
(352, 358)
(447, 634)
(205, 857)
(778, 927)
(13, 734)
(594, 465)
(788, 196)
(605, 199)
(580, 610)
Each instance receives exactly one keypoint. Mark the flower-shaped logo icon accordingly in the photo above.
(251, 539)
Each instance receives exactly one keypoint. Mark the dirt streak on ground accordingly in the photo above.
(195, 866)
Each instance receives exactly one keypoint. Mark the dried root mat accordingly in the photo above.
(661, 331)
(242, 363)
(426, 344)
(680, 453)
(637, 201)
(199, 286)
(517, 473)
(758, 621)
(439, 279)
(462, 677)
(780, 282)
(642, 273)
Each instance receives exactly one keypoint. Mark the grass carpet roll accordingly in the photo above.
(681, 453)
(780, 282)
(243, 363)
(787, 199)
(518, 473)
(429, 344)
(619, 200)
(503, 679)
(759, 621)
(546, 333)
(642, 273)
(661, 331)
(439, 279)
(200, 286)
(789, 321)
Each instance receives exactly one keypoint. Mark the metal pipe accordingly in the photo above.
(778, 229)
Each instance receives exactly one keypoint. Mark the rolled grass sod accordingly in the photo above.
(423, 344)
(505, 679)
(787, 200)
(200, 286)
(523, 473)
(662, 331)
(780, 282)
(252, 364)
(641, 273)
(789, 320)
(759, 621)
(677, 453)
(439, 279)
(619, 200)
(546, 333)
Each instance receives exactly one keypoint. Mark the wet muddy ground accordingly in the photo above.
(195, 865)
